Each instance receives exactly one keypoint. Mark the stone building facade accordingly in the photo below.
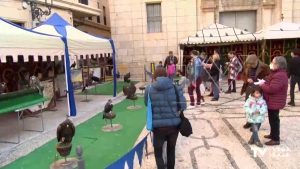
(91, 16)
(145, 31)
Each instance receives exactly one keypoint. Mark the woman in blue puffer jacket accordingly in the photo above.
(165, 116)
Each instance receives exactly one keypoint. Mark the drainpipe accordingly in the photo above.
(197, 16)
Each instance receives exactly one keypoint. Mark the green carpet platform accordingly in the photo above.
(100, 149)
(105, 88)
(11, 102)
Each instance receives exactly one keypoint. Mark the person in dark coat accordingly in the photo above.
(171, 59)
(294, 73)
(254, 70)
(165, 116)
(275, 93)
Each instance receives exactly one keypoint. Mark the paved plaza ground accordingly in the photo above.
(219, 140)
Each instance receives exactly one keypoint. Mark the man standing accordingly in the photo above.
(170, 59)
(294, 73)
(254, 70)
(195, 78)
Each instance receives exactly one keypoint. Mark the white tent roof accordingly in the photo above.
(79, 43)
(282, 30)
(15, 41)
(218, 33)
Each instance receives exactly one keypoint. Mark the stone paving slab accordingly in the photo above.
(219, 141)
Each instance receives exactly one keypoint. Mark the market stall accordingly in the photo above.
(83, 48)
(221, 37)
(278, 40)
(25, 53)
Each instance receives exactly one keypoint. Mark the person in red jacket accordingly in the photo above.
(275, 93)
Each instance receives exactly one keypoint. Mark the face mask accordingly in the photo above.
(271, 66)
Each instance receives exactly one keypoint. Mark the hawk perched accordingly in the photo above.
(108, 106)
(35, 83)
(129, 91)
(108, 114)
(127, 77)
(65, 131)
(3, 87)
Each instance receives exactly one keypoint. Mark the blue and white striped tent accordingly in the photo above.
(76, 43)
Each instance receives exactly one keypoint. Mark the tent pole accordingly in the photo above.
(69, 85)
(114, 67)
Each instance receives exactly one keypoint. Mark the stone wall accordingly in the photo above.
(129, 31)
(180, 19)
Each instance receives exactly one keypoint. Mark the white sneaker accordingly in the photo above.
(190, 107)
(202, 103)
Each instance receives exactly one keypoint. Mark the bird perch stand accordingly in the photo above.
(112, 127)
(64, 150)
(86, 99)
(134, 106)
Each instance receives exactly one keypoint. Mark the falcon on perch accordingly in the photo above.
(65, 131)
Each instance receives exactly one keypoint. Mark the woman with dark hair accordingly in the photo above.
(165, 116)
(275, 93)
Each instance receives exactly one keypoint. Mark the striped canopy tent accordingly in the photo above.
(16, 41)
(282, 30)
(78, 43)
(218, 33)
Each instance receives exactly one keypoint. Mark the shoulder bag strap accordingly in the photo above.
(177, 99)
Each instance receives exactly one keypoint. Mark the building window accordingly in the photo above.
(98, 19)
(90, 18)
(154, 17)
(237, 19)
(98, 4)
(86, 2)
(104, 15)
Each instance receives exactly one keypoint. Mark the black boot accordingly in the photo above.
(291, 103)
(233, 86)
(247, 125)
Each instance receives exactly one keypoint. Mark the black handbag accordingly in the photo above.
(185, 127)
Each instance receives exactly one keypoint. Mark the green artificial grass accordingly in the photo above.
(106, 88)
(100, 149)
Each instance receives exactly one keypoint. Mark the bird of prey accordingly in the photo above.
(127, 77)
(3, 87)
(108, 108)
(34, 83)
(73, 65)
(129, 91)
(118, 74)
(65, 131)
(96, 79)
(84, 88)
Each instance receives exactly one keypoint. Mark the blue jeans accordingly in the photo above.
(255, 129)
(215, 86)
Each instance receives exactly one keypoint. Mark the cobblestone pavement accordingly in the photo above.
(219, 141)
